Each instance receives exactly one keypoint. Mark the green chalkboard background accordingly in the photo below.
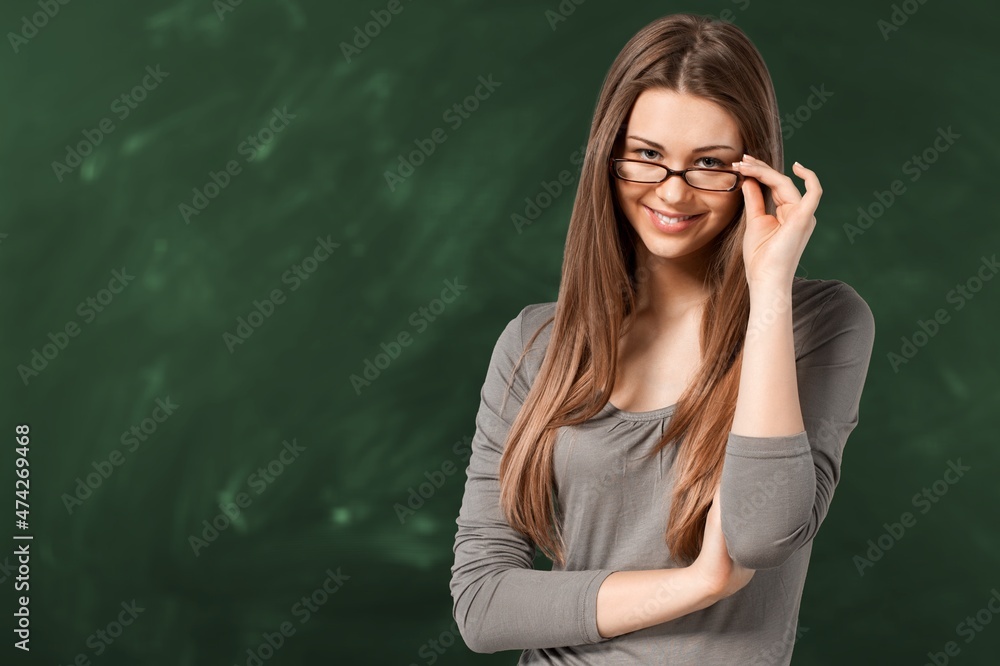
(307, 209)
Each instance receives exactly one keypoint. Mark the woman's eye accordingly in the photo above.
(651, 155)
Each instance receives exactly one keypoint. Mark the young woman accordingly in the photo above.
(669, 431)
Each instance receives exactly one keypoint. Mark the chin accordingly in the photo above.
(670, 249)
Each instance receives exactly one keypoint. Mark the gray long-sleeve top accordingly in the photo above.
(776, 492)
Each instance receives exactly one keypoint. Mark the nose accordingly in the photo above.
(674, 189)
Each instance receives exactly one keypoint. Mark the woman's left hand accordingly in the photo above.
(772, 246)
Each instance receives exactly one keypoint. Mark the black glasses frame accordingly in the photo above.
(671, 172)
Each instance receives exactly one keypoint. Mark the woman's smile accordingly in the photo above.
(672, 222)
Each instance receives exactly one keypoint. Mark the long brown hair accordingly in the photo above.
(716, 61)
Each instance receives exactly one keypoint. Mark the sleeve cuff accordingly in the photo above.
(785, 446)
(589, 610)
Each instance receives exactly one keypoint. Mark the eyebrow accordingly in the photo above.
(703, 149)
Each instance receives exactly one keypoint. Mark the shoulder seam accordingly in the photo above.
(530, 309)
(520, 329)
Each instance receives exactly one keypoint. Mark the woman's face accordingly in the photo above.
(678, 131)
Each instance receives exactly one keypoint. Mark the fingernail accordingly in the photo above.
(737, 164)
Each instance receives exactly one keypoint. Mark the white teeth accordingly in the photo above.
(673, 220)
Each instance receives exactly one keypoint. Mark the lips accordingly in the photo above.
(672, 224)
(672, 217)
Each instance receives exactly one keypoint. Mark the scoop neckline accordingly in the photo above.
(651, 415)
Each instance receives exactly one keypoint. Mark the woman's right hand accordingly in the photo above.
(722, 576)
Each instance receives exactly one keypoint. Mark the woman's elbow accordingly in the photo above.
(762, 551)
(469, 629)
(474, 638)
(756, 557)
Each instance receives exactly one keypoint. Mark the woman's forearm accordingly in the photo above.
(768, 402)
(631, 600)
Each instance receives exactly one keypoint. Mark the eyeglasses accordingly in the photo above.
(713, 180)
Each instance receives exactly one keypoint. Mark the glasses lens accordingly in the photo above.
(710, 179)
(640, 171)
